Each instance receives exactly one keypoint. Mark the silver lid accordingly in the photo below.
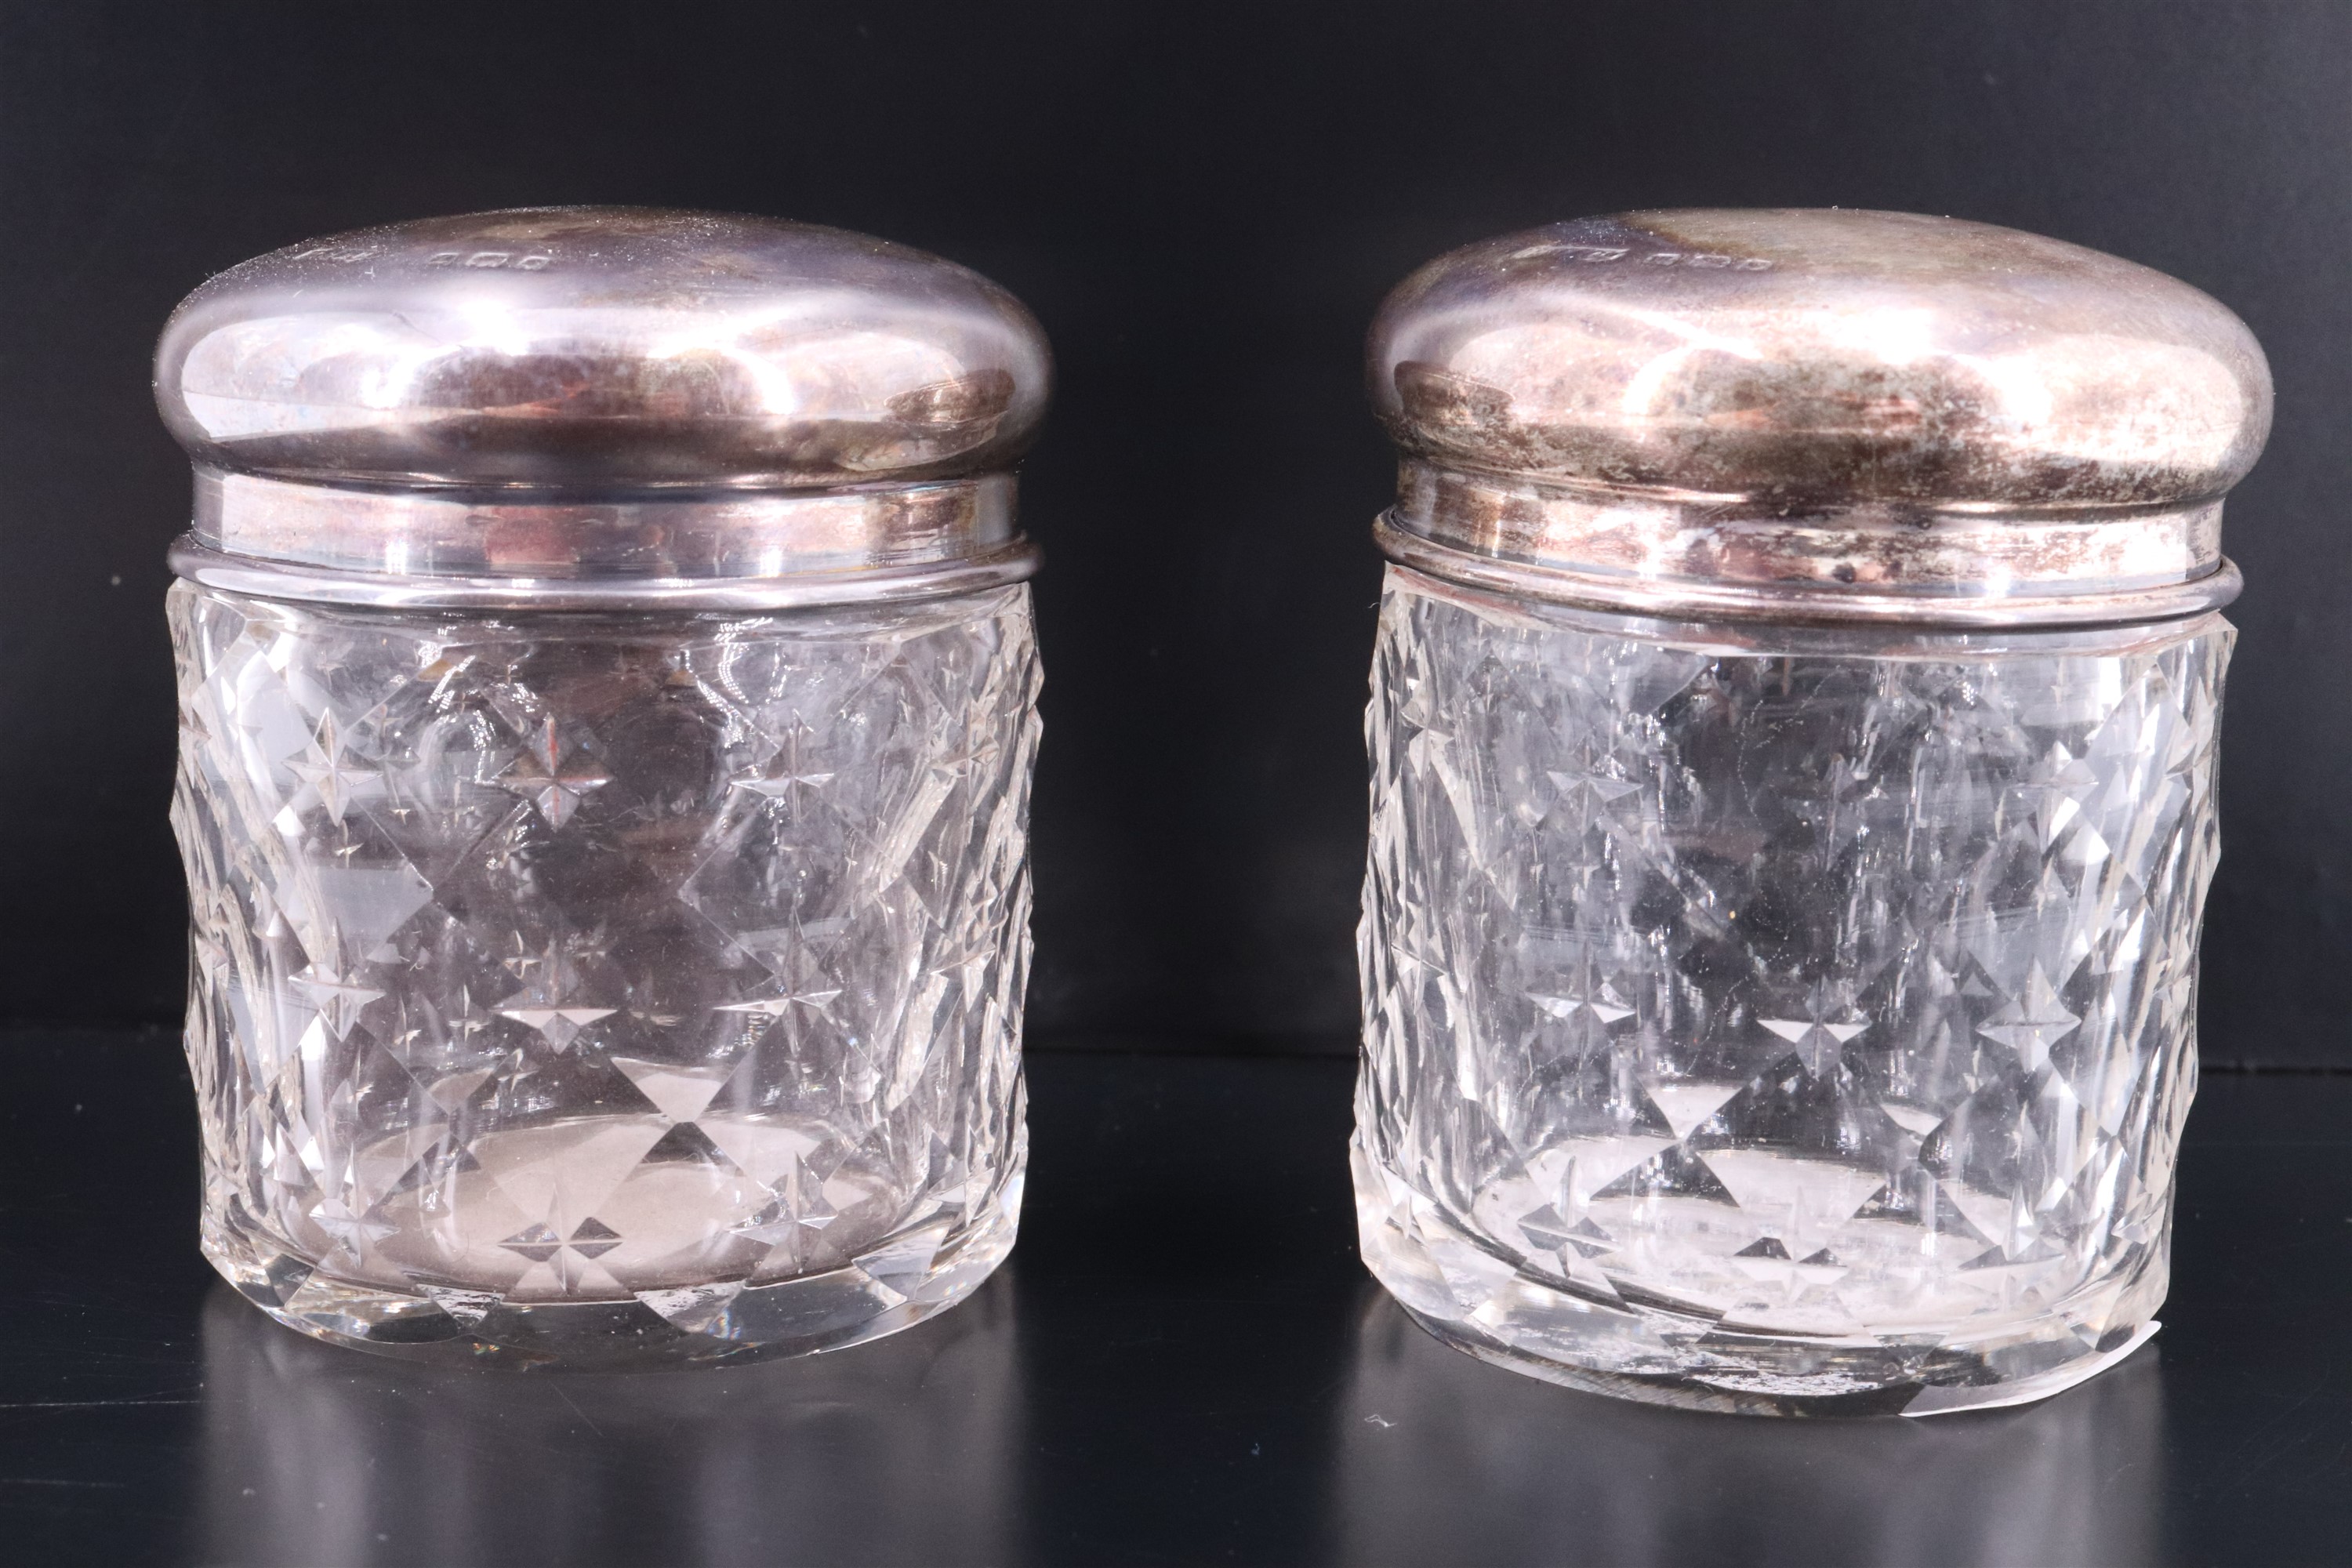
(578, 407)
(1817, 415)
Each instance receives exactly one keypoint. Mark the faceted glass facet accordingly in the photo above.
(606, 990)
(1778, 1019)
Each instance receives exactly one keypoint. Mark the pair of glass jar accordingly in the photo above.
(608, 693)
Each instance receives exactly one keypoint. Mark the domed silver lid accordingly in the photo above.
(602, 406)
(1817, 415)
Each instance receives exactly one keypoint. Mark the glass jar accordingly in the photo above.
(608, 704)
(1794, 735)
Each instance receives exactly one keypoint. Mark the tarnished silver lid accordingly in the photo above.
(1817, 415)
(591, 407)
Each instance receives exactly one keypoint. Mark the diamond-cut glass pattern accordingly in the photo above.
(1780, 1014)
(647, 963)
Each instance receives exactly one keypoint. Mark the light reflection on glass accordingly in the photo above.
(1441, 1459)
(898, 1451)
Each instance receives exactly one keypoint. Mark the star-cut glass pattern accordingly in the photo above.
(1727, 992)
(637, 964)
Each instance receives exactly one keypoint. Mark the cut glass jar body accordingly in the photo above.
(1779, 1019)
(607, 989)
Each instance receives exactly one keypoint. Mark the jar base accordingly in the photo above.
(1466, 1297)
(1697, 1393)
(894, 1286)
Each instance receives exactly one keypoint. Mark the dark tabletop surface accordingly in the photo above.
(1182, 1364)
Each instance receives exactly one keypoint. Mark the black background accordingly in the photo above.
(1203, 204)
(1185, 1361)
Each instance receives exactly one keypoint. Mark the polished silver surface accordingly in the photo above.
(737, 550)
(602, 404)
(1817, 413)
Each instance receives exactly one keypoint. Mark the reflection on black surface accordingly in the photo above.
(896, 1451)
(1442, 1458)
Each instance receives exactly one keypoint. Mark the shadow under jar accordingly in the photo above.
(1792, 736)
(608, 704)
